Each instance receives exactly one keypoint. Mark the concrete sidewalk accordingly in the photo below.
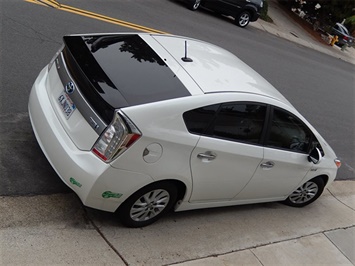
(284, 27)
(57, 230)
(329, 247)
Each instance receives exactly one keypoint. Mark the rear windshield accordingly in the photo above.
(123, 70)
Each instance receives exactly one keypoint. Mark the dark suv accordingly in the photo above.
(244, 11)
(343, 34)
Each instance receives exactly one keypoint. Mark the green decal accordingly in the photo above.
(109, 194)
(74, 182)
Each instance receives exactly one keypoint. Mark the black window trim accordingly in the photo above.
(265, 131)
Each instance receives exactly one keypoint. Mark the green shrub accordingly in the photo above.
(264, 10)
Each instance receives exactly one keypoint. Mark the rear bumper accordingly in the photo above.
(345, 42)
(88, 176)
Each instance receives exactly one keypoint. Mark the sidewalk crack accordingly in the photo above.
(104, 237)
(256, 256)
(258, 246)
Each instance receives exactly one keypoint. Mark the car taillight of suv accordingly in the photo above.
(116, 138)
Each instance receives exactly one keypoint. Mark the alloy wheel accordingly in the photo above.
(149, 205)
(244, 19)
(304, 193)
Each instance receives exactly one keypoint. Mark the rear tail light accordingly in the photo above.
(116, 138)
(345, 38)
(337, 162)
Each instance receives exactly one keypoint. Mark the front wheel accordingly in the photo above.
(194, 4)
(148, 204)
(306, 194)
(243, 19)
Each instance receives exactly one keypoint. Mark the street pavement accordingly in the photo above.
(57, 229)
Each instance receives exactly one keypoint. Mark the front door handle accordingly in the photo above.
(267, 165)
(207, 155)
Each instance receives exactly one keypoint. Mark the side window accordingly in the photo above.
(240, 122)
(288, 132)
(199, 119)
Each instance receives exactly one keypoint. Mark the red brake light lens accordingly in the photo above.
(117, 137)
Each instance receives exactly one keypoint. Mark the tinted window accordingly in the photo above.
(123, 70)
(198, 120)
(241, 122)
(288, 132)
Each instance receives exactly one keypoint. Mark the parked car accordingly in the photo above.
(243, 11)
(141, 123)
(343, 34)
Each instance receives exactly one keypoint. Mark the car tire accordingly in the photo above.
(194, 5)
(306, 194)
(148, 204)
(243, 19)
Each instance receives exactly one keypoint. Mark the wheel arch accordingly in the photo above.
(324, 177)
(250, 9)
(181, 188)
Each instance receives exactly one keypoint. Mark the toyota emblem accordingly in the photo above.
(70, 87)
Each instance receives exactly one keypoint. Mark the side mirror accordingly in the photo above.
(315, 156)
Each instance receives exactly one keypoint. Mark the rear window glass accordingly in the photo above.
(124, 70)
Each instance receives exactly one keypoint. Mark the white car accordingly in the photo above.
(143, 123)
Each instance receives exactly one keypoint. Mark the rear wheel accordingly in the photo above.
(306, 194)
(243, 19)
(194, 4)
(148, 204)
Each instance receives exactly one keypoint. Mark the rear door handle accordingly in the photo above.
(207, 155)
(267, 165)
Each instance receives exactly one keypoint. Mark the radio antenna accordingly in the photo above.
(185, 58)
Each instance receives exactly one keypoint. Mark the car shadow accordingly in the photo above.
(106, 219)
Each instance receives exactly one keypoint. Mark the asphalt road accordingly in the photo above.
(320, 87)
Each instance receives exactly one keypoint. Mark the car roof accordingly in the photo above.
(216, 70)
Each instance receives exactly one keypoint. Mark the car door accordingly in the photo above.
(235, 6)
(220, 6)
(285, 161)
(228, 151)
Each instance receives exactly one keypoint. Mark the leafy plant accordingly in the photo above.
(264, 10)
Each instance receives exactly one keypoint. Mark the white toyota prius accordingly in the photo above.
(139, 124)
